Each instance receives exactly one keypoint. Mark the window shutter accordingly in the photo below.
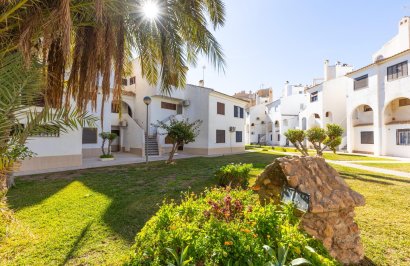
(169, 106)
(241, 112)
(220, 108)
(367, 137)
(220, 136)
(235, 111)
(238, 136)
(89, 135)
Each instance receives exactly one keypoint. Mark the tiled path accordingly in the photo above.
(373, 169)
(120, 159)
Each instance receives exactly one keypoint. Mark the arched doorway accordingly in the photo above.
(362, 126)
(314, 121)
(396, 128)
(328, 117)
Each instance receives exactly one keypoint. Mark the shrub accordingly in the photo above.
(234, 175)
(200, 230)
(264, 149)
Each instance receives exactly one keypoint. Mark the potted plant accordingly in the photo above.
(107, 156)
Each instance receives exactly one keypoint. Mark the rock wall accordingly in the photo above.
(330, 217)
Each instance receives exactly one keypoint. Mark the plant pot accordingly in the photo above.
(106, 159)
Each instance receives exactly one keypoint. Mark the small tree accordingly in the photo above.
(297, 137)
(180, 132)
(321, 139)
(110, 137)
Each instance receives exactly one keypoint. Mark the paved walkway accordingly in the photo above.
(120, 159)
(371, 168)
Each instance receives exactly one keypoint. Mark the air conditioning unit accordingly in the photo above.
(186, 103)
(123, 123)
(263, 122)
(232, 129)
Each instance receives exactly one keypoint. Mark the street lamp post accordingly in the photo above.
(147, 101)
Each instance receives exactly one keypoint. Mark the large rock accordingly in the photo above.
(331, 207)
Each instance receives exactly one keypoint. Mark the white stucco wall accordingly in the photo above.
(223, 122)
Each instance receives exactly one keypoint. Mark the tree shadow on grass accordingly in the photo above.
(136, 190)
(76, 244)
(358, 177)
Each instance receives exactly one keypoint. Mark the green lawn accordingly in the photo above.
(404, 167)
(91, 216)
(384, 220)
(326, 155)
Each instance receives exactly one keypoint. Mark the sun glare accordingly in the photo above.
(150, 10)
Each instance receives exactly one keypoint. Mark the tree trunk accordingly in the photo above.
(102, 147)
(109, 147)
(171, 154)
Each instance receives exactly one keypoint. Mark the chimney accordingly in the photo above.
(201, 83)
(326, 70)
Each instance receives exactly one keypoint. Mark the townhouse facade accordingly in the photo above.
(256, 115)
(325, 101)
(222, 130)
(378, 103)
(283, 113)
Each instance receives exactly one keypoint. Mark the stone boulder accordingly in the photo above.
(331, 207)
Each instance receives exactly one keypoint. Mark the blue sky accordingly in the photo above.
(270, 41)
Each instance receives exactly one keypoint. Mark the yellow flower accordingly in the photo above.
(297, 250)
(245, 230)
(172, 227)
(228, 243)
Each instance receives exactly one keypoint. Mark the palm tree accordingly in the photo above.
(20, 93)
(93, 38)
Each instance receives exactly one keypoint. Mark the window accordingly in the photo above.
(278, 137)
(367, 108)
(46, 131)
(313, 97)
(124, 82)
(403, 137)
(237, 111)
(317, 116)
(169, 106)
(367, 137)
(361, 82)
(238, 136)
(220, 108)
(132, 80)
(220, 136)
(397, 71)
(89, 135)
(404, 102)
(179, 109)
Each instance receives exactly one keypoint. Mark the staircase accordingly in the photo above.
(152, 145)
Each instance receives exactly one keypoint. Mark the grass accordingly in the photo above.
(327, 155)
(384, 220)
(91, 216)
(403, 167)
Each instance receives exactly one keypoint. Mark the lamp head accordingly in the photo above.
(147, 100)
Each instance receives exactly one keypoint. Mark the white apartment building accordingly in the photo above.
(378, 103)
(222, 130)
(283, 114)
(326, 101)
(256, 119)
